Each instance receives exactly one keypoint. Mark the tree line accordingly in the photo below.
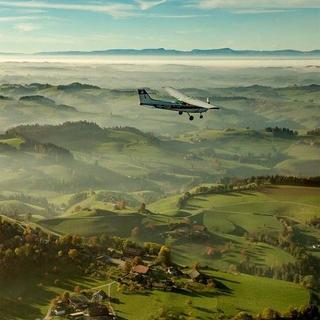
(24, 249)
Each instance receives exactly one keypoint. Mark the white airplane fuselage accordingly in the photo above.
(173, 106)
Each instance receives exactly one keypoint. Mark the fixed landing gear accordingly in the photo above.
(201, 116)
(190, 117)
(180, 113)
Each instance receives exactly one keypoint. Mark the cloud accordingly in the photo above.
(256, 4)
(258, 11)
(169, 16)
(148, 4)
(26, 27)
(17, 18)
(113, 9)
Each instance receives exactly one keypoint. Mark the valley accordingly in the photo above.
(217, 218)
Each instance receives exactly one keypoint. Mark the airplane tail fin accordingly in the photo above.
(144, 97)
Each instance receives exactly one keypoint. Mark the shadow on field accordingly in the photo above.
(248, 193)
(182, 214)
(232, 194)
(226, 280)
(121, 315)
(238, 231)
(23, 298)
(11, 309)
(192, 207)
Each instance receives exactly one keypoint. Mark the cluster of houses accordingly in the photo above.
(83, 306)
(149, 277)
(135, 271)
(187, 230)
(158, 277)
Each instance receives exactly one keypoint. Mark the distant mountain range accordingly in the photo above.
(194, 52)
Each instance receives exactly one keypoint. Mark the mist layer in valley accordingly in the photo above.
(253, 94)
(109, 142)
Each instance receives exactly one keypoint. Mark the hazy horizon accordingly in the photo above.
(212, 61)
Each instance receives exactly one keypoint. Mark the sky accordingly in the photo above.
(47, 25)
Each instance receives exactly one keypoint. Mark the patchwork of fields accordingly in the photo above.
(30, 298)
(227, 217)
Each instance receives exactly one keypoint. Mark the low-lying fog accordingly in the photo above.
(132, 72)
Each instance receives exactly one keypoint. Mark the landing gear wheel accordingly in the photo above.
(180, 113)
(201, 116)
(191, 118)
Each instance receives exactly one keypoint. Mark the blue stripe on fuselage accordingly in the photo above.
(176, 107)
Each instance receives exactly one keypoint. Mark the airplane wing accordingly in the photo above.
(195, 102)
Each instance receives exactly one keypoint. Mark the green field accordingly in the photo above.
(130, 160)
(29, 299)
(14, 142)
(237, 296)
(227, 217)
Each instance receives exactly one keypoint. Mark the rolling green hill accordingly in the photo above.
(31, 297)
(238, 296)
(227, 217)
(168, 165)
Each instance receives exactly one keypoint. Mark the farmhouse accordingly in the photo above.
(59, 312)
(77, 315)
(78, 301)
(98, 311)
(99, 296)
(141, 269)
(197, 276)
(79, 306)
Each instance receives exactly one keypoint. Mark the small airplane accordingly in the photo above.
(182, 103)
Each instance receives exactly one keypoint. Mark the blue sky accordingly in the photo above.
(47, 25)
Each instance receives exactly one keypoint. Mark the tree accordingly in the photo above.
(142, 207)
(242, 316)
(270, 314)
(65, 296)
(164, 256)
(196, 266)
(152, 248)
(73, 253)
(308, 282)
(18, 252)
(77, 289)
(9, 253)
(122, 204)
(136, 261)
(93, 241)
(210, 251)
(127, 266)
